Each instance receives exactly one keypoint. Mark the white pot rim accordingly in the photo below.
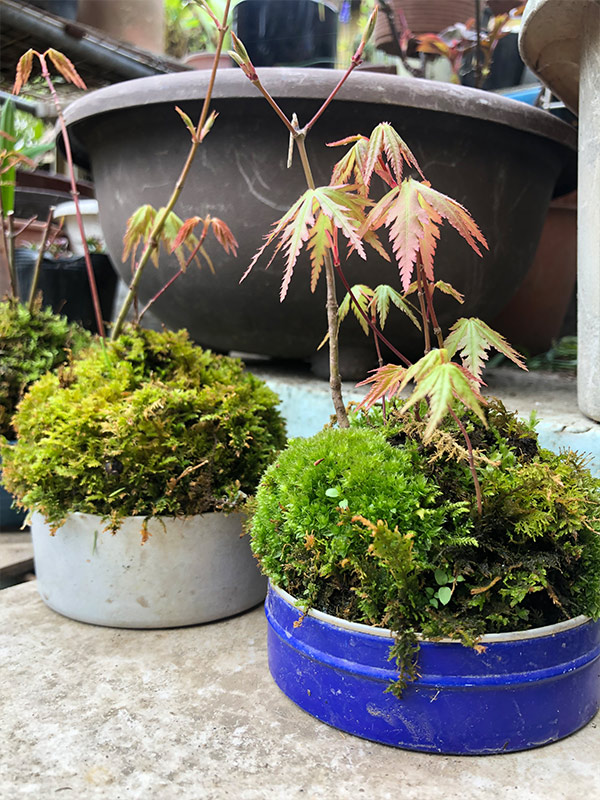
(359, 627)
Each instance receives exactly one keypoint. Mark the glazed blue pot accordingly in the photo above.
(525, 690)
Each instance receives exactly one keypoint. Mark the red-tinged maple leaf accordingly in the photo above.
(24, 66)
(140, 229)
(224, 236)
(413, 212)
(401, 212)
(315, 217)
(457, 216)
(386, 382)
(349, 168)
(65, 67)
(385, 141)
(473, 338)
(441, 383)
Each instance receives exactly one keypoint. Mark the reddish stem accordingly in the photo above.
(172, 280)
(471, 460)
(75, 195)
(376, 332)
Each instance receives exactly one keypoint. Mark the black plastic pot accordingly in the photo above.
(283, 33)
(64, 285)
(507, 66)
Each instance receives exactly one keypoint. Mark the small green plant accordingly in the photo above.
(32, 341)
(149, 424)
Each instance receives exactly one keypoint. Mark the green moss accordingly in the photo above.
(148, 425)
(31, 343)
(372, 525)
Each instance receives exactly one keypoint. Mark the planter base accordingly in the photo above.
(189, 571)
(527, 689)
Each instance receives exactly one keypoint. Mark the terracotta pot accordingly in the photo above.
(534, 317)
(422, 16)
(503, 6)
(205, 61)
(139, 22)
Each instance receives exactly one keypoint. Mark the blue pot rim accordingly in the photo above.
(386, 633)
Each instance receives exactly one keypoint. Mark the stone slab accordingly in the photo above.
(105, 714)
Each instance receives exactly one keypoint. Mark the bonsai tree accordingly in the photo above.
(435, 512)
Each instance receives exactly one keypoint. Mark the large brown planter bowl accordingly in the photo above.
(500, 158)
(422, 16)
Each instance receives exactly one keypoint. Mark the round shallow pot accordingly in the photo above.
(499, 158)
(189, 571)
(527, 689)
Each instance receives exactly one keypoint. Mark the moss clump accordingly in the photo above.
(31, 343)
(147, 425)
(373, 525)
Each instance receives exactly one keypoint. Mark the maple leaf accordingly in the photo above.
(363, 296)
(441, 383)
(24, 66)
(447, 288)
(473, 338)
(383, 295)
(351, 165)
(385, 141)
(65, 67)
(224, 236)
(316, 217)
(386, 382)
(457, 216)
(140, 227)
(413, 212)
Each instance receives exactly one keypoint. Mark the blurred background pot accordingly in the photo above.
(64, 285)
(287, 32)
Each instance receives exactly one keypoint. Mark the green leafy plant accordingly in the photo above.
(149, 424)
(31, 343)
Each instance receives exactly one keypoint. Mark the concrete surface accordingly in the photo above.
(98, 713)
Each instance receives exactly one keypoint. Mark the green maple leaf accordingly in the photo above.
(363, 296)
(383, 295)
(441, 383)
(473, 338)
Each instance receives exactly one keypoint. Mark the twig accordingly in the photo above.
(75, 196)
(154, 238)
(469, 444)
(38, 262)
